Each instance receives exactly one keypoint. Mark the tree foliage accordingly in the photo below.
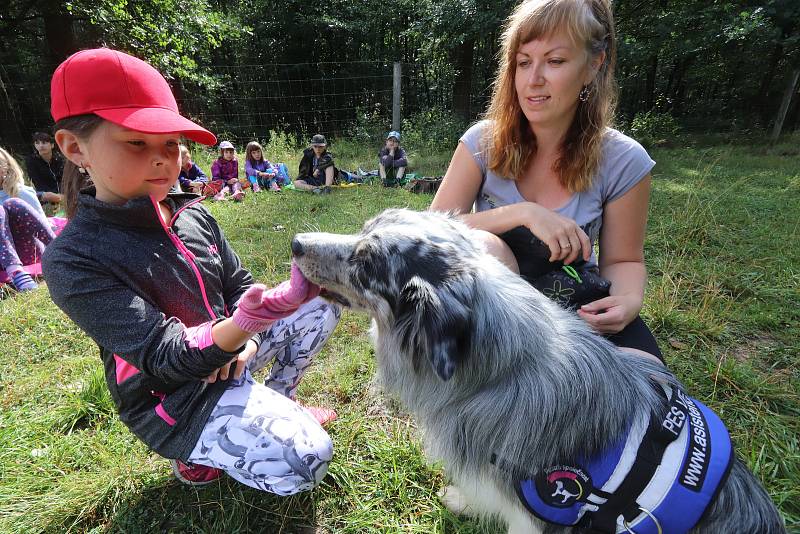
(711, 64)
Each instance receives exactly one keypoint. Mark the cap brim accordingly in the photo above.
(158, 121)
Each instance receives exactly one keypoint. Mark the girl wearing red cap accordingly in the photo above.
(150, 277)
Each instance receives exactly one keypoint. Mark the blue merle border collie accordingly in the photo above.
(536, 419)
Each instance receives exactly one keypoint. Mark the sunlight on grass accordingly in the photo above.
(722, 298)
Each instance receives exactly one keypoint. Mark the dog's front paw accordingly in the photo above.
(454, 501)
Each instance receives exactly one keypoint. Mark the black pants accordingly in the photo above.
(532, 259)
(317, 181)
(636, 336)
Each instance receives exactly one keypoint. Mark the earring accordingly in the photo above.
(82, 169)
(583, 96)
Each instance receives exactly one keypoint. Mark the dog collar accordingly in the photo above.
(658, 478)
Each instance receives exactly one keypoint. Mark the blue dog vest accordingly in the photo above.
(689, 453)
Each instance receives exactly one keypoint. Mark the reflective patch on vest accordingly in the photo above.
(692, 468)
(563, 493)
(699, 470)
(563, 485)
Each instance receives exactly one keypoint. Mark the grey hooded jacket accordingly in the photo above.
(136, 285)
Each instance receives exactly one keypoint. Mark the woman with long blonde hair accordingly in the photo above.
(548, 176)
(24, 230)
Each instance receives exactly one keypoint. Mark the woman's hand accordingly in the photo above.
(611, 314)
(566, 240)
(239, 363)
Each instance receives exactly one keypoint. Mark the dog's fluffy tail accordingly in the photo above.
(742, 506)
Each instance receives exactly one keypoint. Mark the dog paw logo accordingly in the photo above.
(562, 486)
(558, 292)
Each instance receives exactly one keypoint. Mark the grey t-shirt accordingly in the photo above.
(623, 164)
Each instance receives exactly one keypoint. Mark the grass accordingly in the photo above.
(723, 295)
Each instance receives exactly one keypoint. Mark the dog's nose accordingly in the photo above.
(297, 247)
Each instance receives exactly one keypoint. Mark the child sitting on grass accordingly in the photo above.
(316, 171)
(392, 160)
(192, 178)
(225, 173)
(24, 229)
(259, 170)
(150, 277)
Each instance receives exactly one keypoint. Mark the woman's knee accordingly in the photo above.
(498, 248)
(642, 354)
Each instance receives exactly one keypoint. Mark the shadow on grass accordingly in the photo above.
(223, 506)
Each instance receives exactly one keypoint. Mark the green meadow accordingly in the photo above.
(723, 299)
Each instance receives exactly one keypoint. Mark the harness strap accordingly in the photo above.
(660, 433)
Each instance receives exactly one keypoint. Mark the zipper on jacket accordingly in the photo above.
(184, 251)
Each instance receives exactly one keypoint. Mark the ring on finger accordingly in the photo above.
(568, 245)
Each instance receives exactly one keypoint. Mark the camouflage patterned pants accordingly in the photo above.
(257, 433)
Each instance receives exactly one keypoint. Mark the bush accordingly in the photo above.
(281, 146)
(370, 127)
(652, 128)
(434, 129)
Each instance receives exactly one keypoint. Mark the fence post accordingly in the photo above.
(396, 96)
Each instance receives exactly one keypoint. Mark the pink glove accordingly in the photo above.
(259, 307)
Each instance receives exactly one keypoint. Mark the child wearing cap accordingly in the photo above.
(225, 173)
(191, 178)
(392, 160)
(317, 170)
(149, 276)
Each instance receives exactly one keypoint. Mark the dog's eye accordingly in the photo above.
(368, 266)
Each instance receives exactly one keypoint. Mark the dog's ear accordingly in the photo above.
(434, 321)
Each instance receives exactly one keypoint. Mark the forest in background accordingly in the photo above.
(245, 68)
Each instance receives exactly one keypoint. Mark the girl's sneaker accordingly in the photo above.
(238, 196)
(256, 188)
(322, 415)
(23, 281)
(195, 475)
(274, 187)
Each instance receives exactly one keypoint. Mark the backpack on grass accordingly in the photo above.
(426, 184)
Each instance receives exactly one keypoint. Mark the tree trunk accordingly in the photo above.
(650, 87)
(679, 87)
(10, 132)
(464, 54)
(766, 81)
(425, 84)
(791, 122)
(787, 99)
(59, 31)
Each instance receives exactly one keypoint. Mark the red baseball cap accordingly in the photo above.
(121, 89)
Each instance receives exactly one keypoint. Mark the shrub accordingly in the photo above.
(652, 128)
(281, 146)
(434, 129)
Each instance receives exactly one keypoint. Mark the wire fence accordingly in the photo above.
(248, 101)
